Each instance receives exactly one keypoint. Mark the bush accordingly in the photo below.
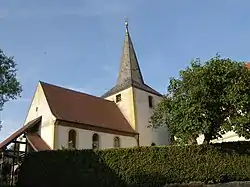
(143, 166)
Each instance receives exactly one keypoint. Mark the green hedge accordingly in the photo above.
(144, 166)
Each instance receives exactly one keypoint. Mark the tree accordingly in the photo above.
(10, 87)
(210, 99)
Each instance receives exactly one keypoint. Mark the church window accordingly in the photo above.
(118, 98)
(150, 101)
(95, 141)
(116, 142)
(36, 109)
(72, 139)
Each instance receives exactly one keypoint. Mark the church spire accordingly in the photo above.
(130, 73)
(129, 67)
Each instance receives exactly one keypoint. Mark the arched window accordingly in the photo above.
(116, 142)
(95, 141)
(72, 139)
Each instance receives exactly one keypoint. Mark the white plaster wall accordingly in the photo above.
(47, 124)
(200, 139)
(143, 113)
(84, 139)
(125, 105)
(22, 146)
(228, 137)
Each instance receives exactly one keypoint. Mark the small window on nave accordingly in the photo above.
(95, 141)
(116, 142)
(72, 139)
(118, 98)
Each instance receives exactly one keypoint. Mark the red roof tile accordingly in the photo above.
(73, 106)
(37, 142)
(248, 65)
(19, 132)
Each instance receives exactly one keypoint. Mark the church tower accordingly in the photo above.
(135, 98)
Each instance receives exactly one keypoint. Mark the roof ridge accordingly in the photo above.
(79, 92)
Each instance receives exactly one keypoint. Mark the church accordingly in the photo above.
(60, 118)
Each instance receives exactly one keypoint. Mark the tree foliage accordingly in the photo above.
(210, 99)
(10, 87)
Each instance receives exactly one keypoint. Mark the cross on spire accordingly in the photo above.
(126, 24)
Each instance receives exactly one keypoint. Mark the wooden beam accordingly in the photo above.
(26, 146)
(19, 142)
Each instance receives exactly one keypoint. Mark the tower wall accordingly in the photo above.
(134, 105)
(134, 102)
(126, 105)
(143, 112)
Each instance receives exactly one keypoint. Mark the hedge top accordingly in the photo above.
(143, 166)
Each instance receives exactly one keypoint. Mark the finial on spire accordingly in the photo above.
(126, 24)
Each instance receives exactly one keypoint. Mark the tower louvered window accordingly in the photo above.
(118, 98)
(150, 101)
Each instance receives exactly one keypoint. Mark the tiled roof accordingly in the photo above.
(130, 83)
(129, 66)
(37, 143)
(72, 106)
(19, 132)
(248, 65)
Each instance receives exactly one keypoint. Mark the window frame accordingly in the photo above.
(97, 141)
(73, 136)
(117, 141)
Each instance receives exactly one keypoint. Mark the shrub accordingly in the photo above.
(142, 166)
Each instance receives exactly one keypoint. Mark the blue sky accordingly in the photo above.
(78, 43)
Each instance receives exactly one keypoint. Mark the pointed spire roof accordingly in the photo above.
(130, 73)
(129, 67)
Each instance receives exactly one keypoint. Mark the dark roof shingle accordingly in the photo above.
(130, 73)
